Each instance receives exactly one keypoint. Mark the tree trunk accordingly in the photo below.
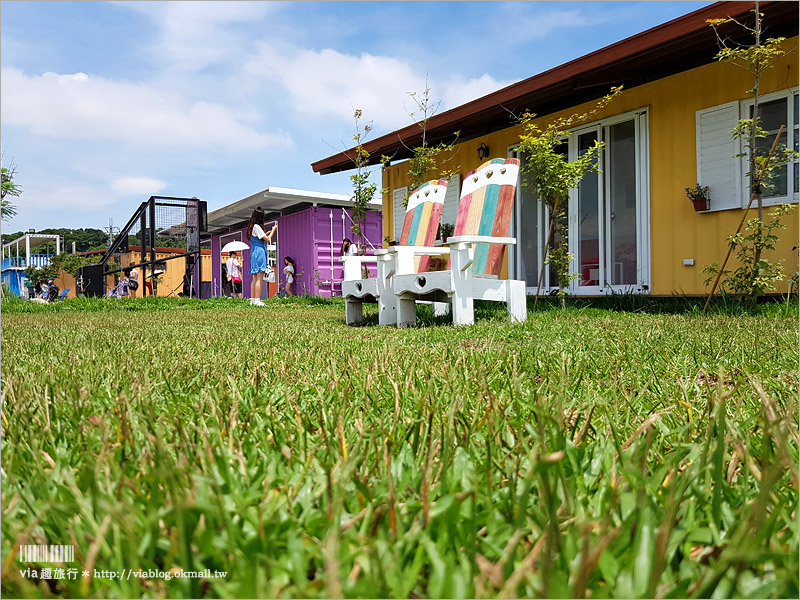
(755, 177)
(544, 261)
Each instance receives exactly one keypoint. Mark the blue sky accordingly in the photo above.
(103, 104)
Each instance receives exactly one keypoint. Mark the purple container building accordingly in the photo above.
(311, 227)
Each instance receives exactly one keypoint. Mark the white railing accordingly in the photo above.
(37, 260)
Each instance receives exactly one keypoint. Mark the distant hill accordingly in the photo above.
(85, 239)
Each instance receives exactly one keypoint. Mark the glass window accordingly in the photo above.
(796, 131)
(622, 194)
(771, 116)
(784, 181)
(588, 255)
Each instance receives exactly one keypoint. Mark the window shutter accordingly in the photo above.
(398, 211)
(450, 209)
(716, 166)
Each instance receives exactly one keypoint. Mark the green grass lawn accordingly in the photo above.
(585, 453)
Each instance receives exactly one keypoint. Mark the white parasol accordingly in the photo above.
(234, 246)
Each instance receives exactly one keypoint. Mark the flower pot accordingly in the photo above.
(700, 204)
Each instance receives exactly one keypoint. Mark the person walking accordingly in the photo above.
(258, 252)
(235, 274)
(288, 271)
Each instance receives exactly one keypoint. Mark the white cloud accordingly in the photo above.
(62, 195)
(458, 91)
(328, 82)
(195, 35)
(82, 107)
(137, 186)
(318, 82)
(63, 199)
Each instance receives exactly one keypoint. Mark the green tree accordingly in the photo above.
(85, 238)
(9, 188)
(363, 188)
(67, 263)
(550, 176)
(755, 59)
(424, 161)
(756, 274)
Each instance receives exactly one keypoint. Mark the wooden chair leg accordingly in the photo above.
(441, 309)
(406, 311)
(463, 310)
(517, 301)
(387, 303)
(463, 303)
(387, 310)
(354, 312)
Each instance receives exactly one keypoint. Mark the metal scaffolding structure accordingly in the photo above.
(159, 216)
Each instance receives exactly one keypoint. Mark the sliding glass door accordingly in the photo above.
(608, 215)
(585, 218)
(621, 218)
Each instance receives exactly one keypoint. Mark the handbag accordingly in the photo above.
(236, 279)
(133, 285)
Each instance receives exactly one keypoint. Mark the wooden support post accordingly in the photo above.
(744, 216)
(546, 251)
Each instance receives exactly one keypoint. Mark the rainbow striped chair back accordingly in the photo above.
(476, 253)
(420, 225)
(423, 213)
(485, 207)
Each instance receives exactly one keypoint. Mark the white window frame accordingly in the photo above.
(717, 165)
(641, 118)
(515, 260)
(451, 200)
(644, 283)
(793, 196)
(398, 214)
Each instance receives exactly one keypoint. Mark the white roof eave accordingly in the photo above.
(276, 199)
(36, 239)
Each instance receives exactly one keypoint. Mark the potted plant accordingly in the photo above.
(699, 196)
(446, 230)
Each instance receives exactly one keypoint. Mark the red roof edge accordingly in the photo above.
(159, 250)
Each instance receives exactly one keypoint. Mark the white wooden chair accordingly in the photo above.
(420, 226)
(476, 252)
(357, 290)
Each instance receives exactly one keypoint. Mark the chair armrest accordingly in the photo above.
(480, 239)
(404, 261)
(416, 250)
(358, 259)
(353, 264)
(424, 250)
